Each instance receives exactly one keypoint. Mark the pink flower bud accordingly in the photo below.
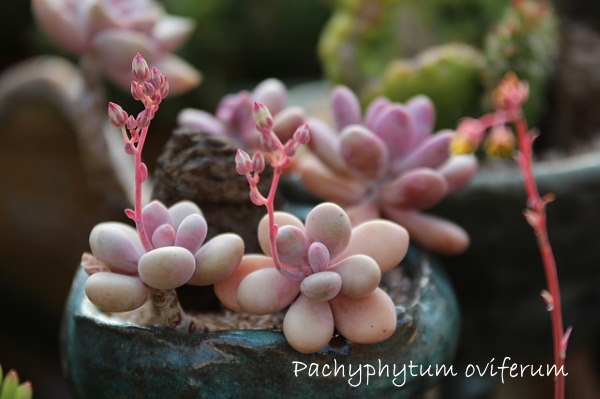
(137, 90)
(143, 119)
(156, 78)
(149, 89)
(290, 148)
(243, 163)
(131, 123)
(302, 134)
(139, 68)
(117, 115)
(262, 117)
(258, 162)
(266, 142)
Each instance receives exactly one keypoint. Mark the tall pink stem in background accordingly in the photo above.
(509, 97)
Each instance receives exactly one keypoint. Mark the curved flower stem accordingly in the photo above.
(140, 177)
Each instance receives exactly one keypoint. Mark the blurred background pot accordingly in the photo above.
(136, 360)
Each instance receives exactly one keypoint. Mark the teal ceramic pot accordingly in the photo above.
(105, 358)
(501, 275)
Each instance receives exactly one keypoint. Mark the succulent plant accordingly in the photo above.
(388, 164)
(337, 271)
(128, 266)
(234, 115)
(122, 272)
(325, 271)
(11, 388)
(111, 32)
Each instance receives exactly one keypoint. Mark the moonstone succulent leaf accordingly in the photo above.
(166, 268)
(327, 223)
(321, 286)
(360, 275)
(266, 291)
(114, 292)
(217, 259)
(116, 245)
(291, 245)
(191, 232)
(308, 325)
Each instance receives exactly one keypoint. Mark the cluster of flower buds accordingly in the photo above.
(234, 116)
(490, 130)
(150, 87)
(270, 149)
(111, 31)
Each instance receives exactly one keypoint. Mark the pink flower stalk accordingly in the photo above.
(111, 32)
(509, 97)
(234, 116)
(388, 164)
(166, 249)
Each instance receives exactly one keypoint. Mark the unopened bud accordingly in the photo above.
(143, 119)
(164, 89)
(258, 162)
(139, 68)
(291, 147)
(500, 142)
(266, 142)
(131, 123)
(243, 163)
(137, 90)
(149, 89)
(156, 78)
(468, 137)
(302, 134)
(262, 117)
(117, 115)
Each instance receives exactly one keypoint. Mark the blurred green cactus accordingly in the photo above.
(441, 48)
(10, 388)
(524, 42)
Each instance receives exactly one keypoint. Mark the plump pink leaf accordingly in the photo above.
(191, 232)
(384, 241)
(322, 286)
(117, 245)
(266, 291)
(360, 275)
(419, 189)
(195, 119)
(345, 107)
(113, 292)
(423, 112)
(226, 289)
(374, 110)
(166, 268)
(163, 236)
(287, 121)
(365, 320)
(182, 209)
(325, 144)
(292, 246)
(281, 219)
(272, 93)
(323, 183)
(60, 23)
(308, 325)
(458, 171)
(364, 152)
(396, 128)
(328, 224)
(432, 153)
(436, 234)
(318, 257)
(217, 259)
(155, 214)
(171, 31)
